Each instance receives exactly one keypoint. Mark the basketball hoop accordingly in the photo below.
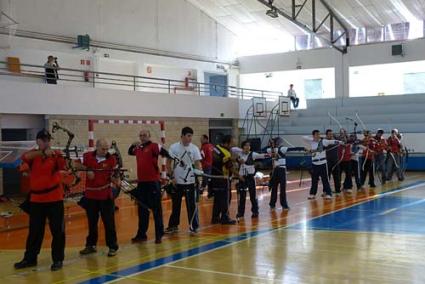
(259, 107)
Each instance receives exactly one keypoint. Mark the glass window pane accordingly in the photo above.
(313, 89)
(414, 83)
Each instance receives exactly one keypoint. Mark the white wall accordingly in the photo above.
(388, 79)
(32, 51)
(324, 58)
(173, 26)
(280, 81)
(36, 98)
(169, 25)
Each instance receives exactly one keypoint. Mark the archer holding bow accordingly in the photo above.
(44, 167)
(99, 200)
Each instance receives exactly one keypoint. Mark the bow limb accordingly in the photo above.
(361, 122)
(334, 119)
(287, 142)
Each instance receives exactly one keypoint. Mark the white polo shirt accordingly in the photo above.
(188, 155)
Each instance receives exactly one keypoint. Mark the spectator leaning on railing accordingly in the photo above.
(51, 70)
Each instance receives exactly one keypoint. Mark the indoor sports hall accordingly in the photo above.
(212, 141)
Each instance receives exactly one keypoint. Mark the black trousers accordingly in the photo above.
(106, 210)
(150, 199)
(295, 101)
(380, 166)
(189, 193)
(247, 185)
(221, 203)
(348, 171)
(206, 170)
(39, 212)
(367, 168)
(278, 178)
(355, 167)
(320, 171)
(334, 170)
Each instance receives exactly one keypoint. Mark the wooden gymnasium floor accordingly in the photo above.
(372, 237)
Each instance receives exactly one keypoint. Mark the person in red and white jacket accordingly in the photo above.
(394, 155)
(98, 193)
(366, 166)
(44, 167)
(380, 150)
(148, 186)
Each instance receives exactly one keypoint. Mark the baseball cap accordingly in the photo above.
(44, 135)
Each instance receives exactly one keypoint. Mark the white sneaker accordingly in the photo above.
(328, 197)
(349, 191)
(311, 197)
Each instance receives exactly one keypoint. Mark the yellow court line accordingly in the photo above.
(144, 280)
(177, 248)
(222, 273)
(201, 240)
(204, 240)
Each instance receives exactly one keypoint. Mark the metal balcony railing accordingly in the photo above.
(97, 79)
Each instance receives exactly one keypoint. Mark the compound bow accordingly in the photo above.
(70, 165)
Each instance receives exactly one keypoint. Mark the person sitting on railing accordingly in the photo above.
(51, 70)
(293, 96)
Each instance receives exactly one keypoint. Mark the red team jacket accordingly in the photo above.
(99, 188)
(45, 179)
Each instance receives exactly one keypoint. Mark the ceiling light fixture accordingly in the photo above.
(272, 13)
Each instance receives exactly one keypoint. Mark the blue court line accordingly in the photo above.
(137, 269)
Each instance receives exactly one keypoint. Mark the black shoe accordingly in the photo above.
(239, 216)
(158, 241)
(272, 207)
(139, 239)
(254, 215)
(88, 250)
(57, 265)
(228, 222)
(112, 252)
(25, 263)
(215, 221)
(193, 231)
(372, 185)
(285, 208)
(171, 230)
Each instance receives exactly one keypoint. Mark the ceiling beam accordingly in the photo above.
(314, 28)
